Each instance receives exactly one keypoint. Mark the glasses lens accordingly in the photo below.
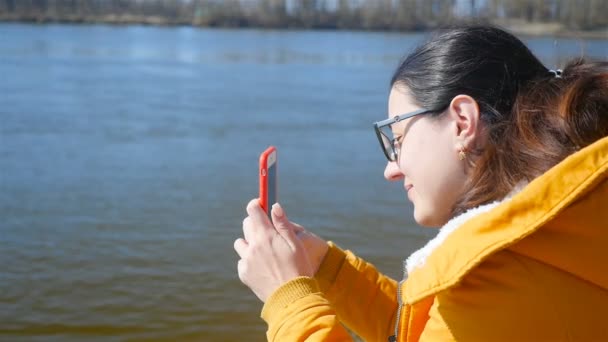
(387, 142)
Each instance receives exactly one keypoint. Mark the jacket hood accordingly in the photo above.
(560, 218)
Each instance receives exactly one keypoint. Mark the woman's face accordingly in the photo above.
(428, 163)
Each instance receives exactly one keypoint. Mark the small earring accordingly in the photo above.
(462, 155)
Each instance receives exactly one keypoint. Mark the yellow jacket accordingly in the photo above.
(534, 268)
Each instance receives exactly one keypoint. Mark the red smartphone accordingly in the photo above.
(268, 179)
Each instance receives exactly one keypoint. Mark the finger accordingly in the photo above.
(247, 229)
(297, 228)
(259, 219)
(240, 246)
(240, 266)
(282, 224)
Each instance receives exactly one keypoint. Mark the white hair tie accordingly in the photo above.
(557, 73)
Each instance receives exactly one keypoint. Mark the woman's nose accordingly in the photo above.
(392, 172)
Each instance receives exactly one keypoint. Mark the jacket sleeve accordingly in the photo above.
(298, 311)
(345, 289)
(364, 299)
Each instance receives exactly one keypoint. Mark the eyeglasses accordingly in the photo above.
(391, 145)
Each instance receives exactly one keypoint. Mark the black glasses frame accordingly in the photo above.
(392, 155)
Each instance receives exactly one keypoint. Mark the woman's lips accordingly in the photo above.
(409, 187)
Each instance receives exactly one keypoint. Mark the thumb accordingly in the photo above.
(297, 228)
(282, 224)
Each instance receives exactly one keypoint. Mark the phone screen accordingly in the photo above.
(268, 179)
(272, 185)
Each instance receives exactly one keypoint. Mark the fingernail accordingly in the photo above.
(278, 210)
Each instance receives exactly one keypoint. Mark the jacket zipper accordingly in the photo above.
(400, 303)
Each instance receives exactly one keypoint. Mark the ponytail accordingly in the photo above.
(584, 103)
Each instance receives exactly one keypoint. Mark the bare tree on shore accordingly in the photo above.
(340, 14)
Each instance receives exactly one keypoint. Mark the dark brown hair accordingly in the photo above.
(482, 61)
(552, 117)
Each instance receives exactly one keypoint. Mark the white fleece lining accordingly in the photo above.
(418, 258)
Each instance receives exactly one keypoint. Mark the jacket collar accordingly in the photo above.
(419, 257)
(498, 225)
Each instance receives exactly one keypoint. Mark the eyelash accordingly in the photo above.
(398, 140)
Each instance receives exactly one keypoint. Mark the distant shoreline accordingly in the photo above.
(521, 28)
(553, 29)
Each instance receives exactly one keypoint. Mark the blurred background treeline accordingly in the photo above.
(526, 16)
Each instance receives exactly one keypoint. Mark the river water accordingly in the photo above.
(128, 153)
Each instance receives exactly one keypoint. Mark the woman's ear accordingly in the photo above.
(464, 113)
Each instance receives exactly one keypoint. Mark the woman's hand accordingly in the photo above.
(316, 247)
(271, 254)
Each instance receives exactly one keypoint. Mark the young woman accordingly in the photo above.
(510, 159)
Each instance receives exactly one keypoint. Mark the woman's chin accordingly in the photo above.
(426, 219)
